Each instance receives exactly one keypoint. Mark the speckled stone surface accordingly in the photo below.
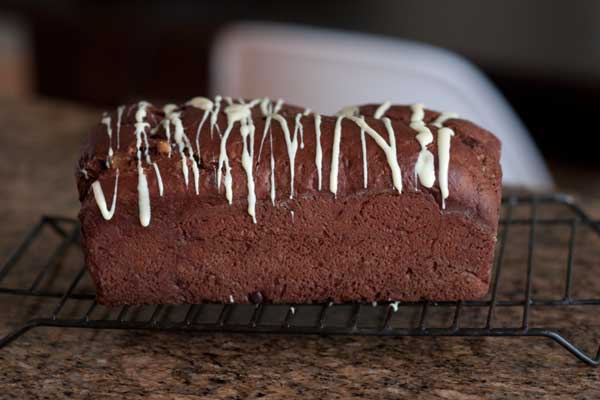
(38, 146)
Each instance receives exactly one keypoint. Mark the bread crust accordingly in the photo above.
(361, 244)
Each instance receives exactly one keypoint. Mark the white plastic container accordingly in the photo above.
(326, 70)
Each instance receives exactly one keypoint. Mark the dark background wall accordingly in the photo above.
(543, 55)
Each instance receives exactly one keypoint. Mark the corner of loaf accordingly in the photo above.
(217, 200)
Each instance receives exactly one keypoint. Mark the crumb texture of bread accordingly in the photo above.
(306, 244)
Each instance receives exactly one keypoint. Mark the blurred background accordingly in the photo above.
(542, 56)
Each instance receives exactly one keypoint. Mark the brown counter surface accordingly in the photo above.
(39, 143)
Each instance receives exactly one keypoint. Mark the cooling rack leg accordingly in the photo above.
(576, 351)
(18, 332)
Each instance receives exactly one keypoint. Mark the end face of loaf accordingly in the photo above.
(217, 200)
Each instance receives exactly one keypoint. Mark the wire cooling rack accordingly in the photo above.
(546, 283)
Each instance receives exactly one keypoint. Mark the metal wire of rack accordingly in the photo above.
(383, 319)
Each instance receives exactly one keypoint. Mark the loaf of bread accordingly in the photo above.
(221, 200)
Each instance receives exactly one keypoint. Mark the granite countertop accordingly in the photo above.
(39, 142)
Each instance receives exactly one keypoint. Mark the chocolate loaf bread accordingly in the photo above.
(248, 201)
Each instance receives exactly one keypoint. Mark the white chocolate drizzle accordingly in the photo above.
(149, 161)
(106, 121)
(264, 105)
(214, 115)
(389, 149)
(200, 102)
(143, 198)
(267, 109)
(246, 131)
(107, 214)
(143, 192)
(183, 143)
(204, 116)
(444, 136)
(168, 109)
(292, 147)
(203, 104)
(418, 112)
(278, 105)
(353, 111)
(299, 128)
(363, 143)
(178, 137)
(240, 111)
(273, 195)
(120, 110)
(318, 150)
(196, 173)
(424, 167)
(234, 113)
(443, 117)
(335, 155)
(158, 179)
(349, 111)
(381, 110)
